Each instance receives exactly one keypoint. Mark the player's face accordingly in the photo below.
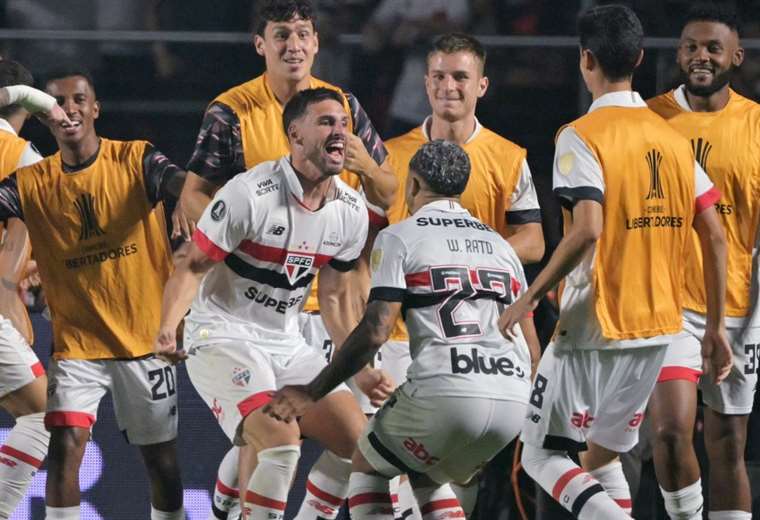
(77, 99)
(288, 48)
(321, 133)
(707, 54)
(454, 82)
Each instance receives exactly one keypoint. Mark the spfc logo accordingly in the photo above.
(85, 205)
(297, 265)
(241, 376)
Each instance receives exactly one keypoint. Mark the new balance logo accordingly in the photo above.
(654, 158)
(276, 230)
(478, 364)
(702, 149)
(85, 205)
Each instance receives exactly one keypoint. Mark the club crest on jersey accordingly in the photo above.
(297, 265)
(241, 376)
(85, 205)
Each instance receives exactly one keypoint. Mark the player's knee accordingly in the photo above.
(672, 435)
(263, 432)
(161, 459)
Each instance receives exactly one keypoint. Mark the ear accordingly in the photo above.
(588, 60)
(316, 42)
(96, 110)
(416, 186)
(258, 44)
(483, 86)
(738, 58)
(639, 59)
(294, 135)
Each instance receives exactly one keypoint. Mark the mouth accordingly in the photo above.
(72, 128)
(294, 61)
(336, 150)
(701, 71)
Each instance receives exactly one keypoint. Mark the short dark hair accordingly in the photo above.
(613, 33)
(283, 11)
(713, 12)
(70, 72)
(299, 103)
(459, 42)
(443, 165)
(13, 73)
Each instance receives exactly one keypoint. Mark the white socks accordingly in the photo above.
(368, 497)
(729, 515)
(438, 503)
(685, 503)
(612, 479)
(62, 513)
(467, 495)
(20, 457)
(575, 490)
(326, 488)
(226, 492)
(269, 485)
(155, 514)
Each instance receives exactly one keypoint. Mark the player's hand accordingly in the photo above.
(53, 117)
(288, 403)
(165, 346)
(182, 225)
(31, 276)
(521, 307)
(376, 383)
(717, 357)
(358, 159)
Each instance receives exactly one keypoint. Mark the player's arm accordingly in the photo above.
(524, 231)
(531, 338)
(218, 156)
(357, 352)
(716, 351)
(367, 157)
(15, 251)
(35, 101)
(162, 177)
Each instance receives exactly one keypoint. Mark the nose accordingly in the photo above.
(293, 42)
(68, 105)
(448, 82)
(701, 54)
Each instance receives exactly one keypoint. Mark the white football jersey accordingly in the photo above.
(270, 247)
(454, 276)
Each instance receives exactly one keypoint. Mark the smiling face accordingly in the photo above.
(77, 98)
(707, 54)
(454, 82)
(319, 136)
(288, 48)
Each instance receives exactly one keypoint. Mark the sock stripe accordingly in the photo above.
(262, 501)
(584, 497)
(563, 481)
(323, 495)
(20, 455)
(369, 498)
(625, 503)
(394, 498)
(226, 490)
(436, 505)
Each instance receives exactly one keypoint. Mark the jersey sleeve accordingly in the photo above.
(158, 170)
(705, 192)
(347, 257)
(365, 130)
(387, 264)
(10, 202)
(524, 207)
(577, 173)
(29, 156)
(218, 154)
(226, 221)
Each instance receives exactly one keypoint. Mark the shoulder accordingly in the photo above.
(492, 140)
(262, 179)
(252, 92)
(349, 199)
(664, 105)
(406, 143)
(745, 106)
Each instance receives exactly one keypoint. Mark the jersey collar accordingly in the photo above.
(679, 94)
(445, 205)
(294, 185)
(429, 121)
(625, 98)
(6, 126)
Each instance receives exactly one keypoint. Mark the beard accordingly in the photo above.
(719, 81)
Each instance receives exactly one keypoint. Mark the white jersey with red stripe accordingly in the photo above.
(454, 276)
(269, 246)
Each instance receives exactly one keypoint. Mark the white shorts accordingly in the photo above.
(144, 393)
(314, 332)
(683, 361)
(19, 365)
(396, 358)
(237, 378)
(449, 439)
(596, 395)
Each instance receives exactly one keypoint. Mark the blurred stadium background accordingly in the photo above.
(157, 64)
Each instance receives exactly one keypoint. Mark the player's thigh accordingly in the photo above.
(234, 379)
(75, 388)
(625, 383)
(19, 368)
(735, 394)
(144, 393)
(563, 393)
(503, 422)
(683, 357)
(29, 399)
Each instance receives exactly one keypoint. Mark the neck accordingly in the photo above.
(314, 182)
(426, 197)
(712, 103)
(284, 89)
(79, 153)
(607, 87)
(17, 122)
(457, 131)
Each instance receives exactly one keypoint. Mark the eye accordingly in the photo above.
(714, 48)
